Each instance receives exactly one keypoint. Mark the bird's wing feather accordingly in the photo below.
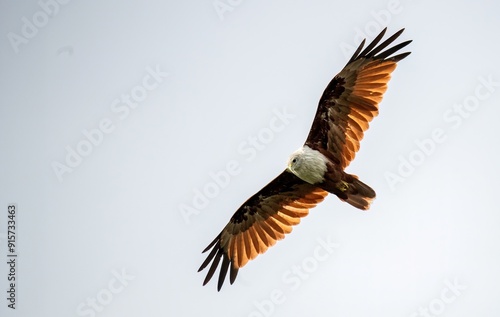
(351, 99)
(261, 221)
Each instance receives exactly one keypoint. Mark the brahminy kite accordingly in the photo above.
(348, 104)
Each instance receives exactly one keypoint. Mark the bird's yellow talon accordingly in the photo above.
(343, 186)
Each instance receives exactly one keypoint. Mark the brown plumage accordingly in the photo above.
(261, 221)
(348, 104)
(351, 99)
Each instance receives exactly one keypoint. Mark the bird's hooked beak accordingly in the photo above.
(289, 164)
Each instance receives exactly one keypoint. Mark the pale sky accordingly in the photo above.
(130, 133)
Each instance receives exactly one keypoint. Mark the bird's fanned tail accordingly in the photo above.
(358, 194)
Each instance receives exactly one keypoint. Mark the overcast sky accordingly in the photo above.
(130, 132)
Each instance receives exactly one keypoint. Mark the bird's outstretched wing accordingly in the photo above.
(351, 99)
(261, 221)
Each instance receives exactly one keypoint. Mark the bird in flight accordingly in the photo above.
(348, 104)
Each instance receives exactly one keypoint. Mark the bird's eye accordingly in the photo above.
(294, 160)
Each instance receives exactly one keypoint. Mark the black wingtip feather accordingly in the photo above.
(373, 43)
(223, 271)
(211, 244)
(392, 50)
(385, 43)
(214, 257)
(208, 259)
(399, 57)
(372, 49)
(355, 55)
(213, 267)
(232, 274)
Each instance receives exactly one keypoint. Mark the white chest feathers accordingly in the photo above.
(308, 165)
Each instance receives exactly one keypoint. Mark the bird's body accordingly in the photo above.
(348, 104)
(315, 168)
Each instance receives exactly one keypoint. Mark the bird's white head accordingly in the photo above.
(308, 165)
(294, 161)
